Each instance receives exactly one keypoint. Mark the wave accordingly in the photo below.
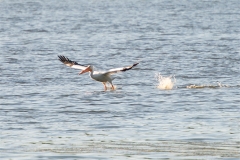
(218, 85)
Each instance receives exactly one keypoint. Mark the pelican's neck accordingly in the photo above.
(91, 72)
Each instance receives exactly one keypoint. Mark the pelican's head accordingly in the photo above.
(88, 69)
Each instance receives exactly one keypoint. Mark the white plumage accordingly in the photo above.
(103, 77)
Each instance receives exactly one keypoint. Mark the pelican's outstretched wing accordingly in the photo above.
(70, 63)
(123, 69)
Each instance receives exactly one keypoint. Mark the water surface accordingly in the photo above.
(48, 111)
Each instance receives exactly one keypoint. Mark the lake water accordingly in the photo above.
(48, 111)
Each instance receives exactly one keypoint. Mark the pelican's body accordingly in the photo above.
(103, 77)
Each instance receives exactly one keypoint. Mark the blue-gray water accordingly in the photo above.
(48, 111)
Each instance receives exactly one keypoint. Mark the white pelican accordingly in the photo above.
(103, 77)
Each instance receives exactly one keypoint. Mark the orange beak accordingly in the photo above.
(85, 70)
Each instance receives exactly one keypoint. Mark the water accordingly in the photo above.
(48, 111)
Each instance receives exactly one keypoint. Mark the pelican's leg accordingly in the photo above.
(112, 86)
(105, 87)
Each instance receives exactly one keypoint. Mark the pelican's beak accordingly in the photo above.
(85, 70)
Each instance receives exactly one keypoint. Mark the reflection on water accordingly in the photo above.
(179, 148)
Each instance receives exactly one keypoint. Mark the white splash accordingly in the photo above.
(165, 83)
(221, 85)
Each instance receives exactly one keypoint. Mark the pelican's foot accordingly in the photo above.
(112, 87)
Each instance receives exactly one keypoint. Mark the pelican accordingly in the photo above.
(103, 77)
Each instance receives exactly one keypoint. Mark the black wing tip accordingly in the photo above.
(135, 64)
(61, 56)
(64, 59)
(128, 68)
